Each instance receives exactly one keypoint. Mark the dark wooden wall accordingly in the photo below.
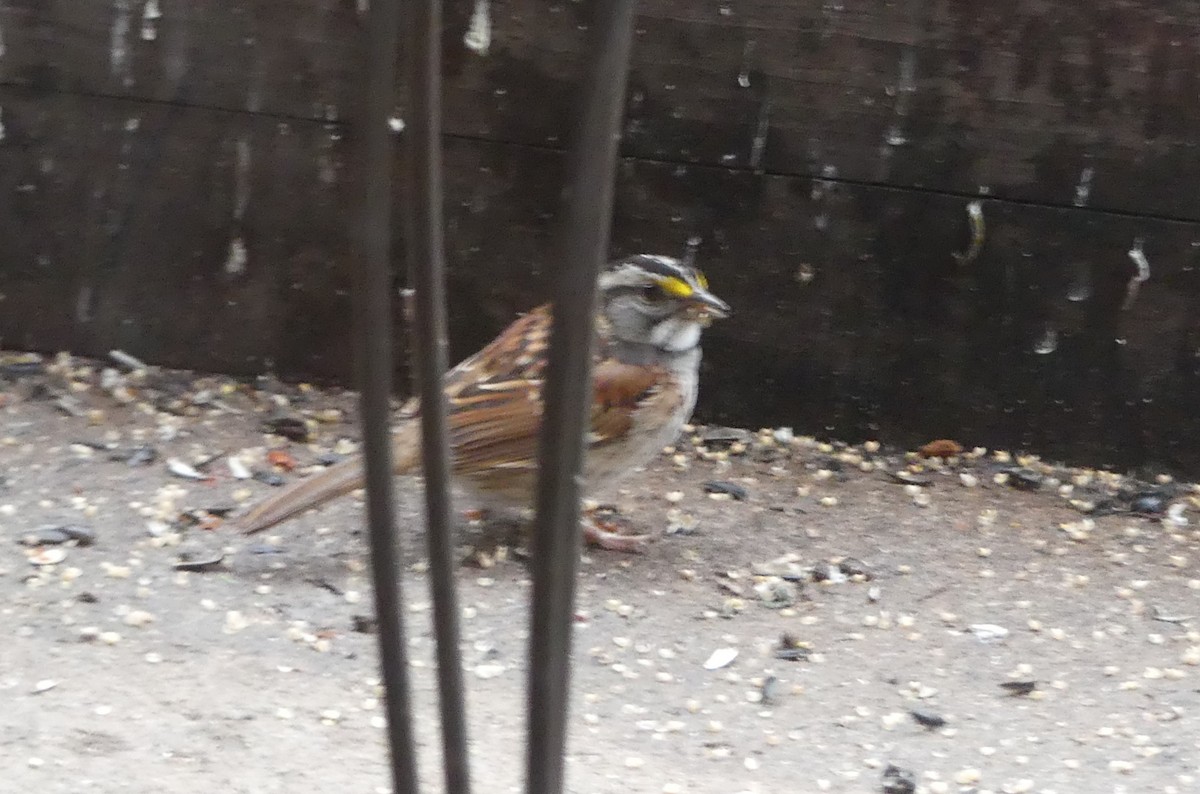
(177, 180)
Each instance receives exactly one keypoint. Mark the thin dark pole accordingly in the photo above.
(373, 326)
(426, 267)
(568, 394)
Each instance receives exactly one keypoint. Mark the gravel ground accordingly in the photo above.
(976, 623)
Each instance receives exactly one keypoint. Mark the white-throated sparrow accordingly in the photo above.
(645, 371)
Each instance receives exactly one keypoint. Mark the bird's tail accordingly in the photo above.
(335, 481)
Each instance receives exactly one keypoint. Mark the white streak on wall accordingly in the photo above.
(759, 144)
(1048, 343)
(1138, 255)
(241, 178)
(151, 13)
(327, 167)
(1081, 285)
(2, 49)
(820, 189)
(1084, 188)
(906, 86)
(235, 263)
(744, 75)
(478, 37)
(908, 75)
(118, 47)
(1, 125)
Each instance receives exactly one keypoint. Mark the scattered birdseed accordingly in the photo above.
(47, 557)
(721, 657)
(1019, 688)
(898, 781)
(489, 671)
(928, 719)
(184, 470)
(138, 618)
(235, 621)
(237, 468)
(116, 571)
(988, 632)
(727, 490)
(967, 777)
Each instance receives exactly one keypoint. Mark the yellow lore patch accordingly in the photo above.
(676, 286)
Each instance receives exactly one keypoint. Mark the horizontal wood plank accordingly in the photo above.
(1064, 103)
(219, 240)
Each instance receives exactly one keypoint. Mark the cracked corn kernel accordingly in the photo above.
(967, 777)
(138, 618)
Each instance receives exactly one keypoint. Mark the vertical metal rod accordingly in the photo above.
(568, 394)
(373, 338)
(426, 267)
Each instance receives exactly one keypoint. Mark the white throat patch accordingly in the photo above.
(676, 334)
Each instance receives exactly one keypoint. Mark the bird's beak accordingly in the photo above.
(709, 304)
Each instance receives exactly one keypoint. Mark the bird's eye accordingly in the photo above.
(651, 292)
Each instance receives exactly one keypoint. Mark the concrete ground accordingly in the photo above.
(863, 620)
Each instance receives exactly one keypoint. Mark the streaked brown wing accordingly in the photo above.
(621, 391)
(502, 433)
(495, 398)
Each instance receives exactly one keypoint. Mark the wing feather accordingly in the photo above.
(495, 398)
